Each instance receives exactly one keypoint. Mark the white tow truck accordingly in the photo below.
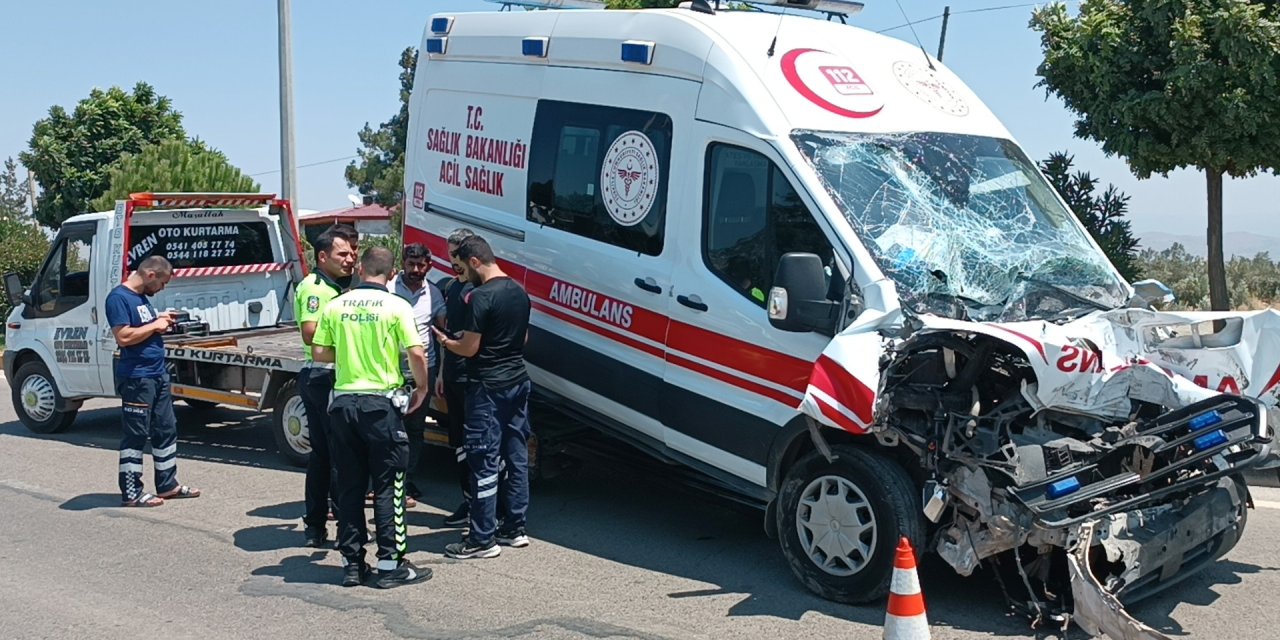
(236, 258)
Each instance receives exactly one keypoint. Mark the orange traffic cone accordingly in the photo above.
(905, 619)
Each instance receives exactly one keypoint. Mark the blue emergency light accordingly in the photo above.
(637, 51)
(437, 45)
(1210, 440)
(1063, 487)
(441, 26)
(535, 47)
(1205, 420)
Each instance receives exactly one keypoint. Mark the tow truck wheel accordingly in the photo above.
(289, 425)
(36, 399)
(839, 522)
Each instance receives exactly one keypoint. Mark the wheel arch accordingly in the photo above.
(33, 353)
(795, 441)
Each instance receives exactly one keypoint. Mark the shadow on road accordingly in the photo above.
(220, 435)
(303, 570)
(1198, 590)
(623, 513)
(90, 501)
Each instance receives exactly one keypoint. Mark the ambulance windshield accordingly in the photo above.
(964, 225)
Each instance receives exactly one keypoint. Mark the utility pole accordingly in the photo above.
(288, 175)
(31, 191)
(942, 39)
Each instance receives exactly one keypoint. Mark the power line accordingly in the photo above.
(304, 166)
(978, 10)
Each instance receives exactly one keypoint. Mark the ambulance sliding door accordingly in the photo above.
(600, 248)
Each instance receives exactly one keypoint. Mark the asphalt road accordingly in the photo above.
(615, 555)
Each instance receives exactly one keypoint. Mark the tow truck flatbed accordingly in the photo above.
(278, 348)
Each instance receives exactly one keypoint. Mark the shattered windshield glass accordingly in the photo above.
(964, 225)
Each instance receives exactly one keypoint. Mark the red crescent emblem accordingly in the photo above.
(793, 77)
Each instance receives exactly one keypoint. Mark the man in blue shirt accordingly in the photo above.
(142, 382)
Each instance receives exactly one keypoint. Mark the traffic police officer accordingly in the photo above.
(335, 259)
(363, 332)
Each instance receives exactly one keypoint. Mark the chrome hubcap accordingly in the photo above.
(295, 426)
(38, 398)
(836, 526)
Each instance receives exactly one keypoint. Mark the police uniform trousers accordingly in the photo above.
(314, 386)
(369, 446)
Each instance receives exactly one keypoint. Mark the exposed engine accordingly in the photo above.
(1020, 487)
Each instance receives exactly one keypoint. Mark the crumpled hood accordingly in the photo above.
(1093, 365)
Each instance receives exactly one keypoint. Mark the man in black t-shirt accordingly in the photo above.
(452, 381)
(497, 402)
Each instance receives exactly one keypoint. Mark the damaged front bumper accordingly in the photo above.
(1175, 455)
(1165, 501)
(1126, 557)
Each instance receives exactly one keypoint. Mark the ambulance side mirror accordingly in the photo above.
(798, 299)
(13, 289)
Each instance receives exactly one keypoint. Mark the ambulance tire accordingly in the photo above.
(32, 384)
(860, 487)
(289, 425)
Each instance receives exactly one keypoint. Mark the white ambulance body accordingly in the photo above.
(644, 173)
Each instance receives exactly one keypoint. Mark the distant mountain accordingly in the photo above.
(1241, 243)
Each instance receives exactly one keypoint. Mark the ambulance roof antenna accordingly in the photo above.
(774, 45)
(917, 37)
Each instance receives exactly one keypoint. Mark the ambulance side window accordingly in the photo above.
(751, 217)
(601, 172)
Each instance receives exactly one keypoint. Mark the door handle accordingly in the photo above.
(648, 284)
(693, 302)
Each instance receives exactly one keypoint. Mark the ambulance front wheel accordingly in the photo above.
(839, 522)
(289, 425)
(36, 399)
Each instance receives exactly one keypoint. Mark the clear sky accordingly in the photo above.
(217, 61)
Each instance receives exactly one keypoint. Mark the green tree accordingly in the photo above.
(380, 169)
(1172, 84)
(70, 153)
(642, 4)
(1103, 215)
(13, 193)
(1182, 271)
(172, 165)
(25, 243)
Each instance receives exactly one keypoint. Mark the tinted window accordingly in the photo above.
(752, 217)
(601, 172)
(202, 245)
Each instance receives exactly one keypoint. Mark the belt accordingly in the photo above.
(380, 394)
(312, 364)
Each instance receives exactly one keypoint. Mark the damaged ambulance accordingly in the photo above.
(806, 261)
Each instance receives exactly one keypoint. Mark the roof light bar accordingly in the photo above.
(551, 4)
(196, 200)
(835, 7)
